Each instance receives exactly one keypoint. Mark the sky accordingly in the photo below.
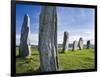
(78, 22)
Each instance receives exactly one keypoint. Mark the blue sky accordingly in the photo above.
(79, 22)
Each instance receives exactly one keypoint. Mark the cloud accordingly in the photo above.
(86, 34)
(17, 39)
(73, 35)
(34, 39)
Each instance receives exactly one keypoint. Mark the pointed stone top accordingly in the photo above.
(26, 16)
(80, 38)
(66, 32)
(26, 20)
(88, 41)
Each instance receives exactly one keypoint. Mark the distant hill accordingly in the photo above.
(60, 46)
(70, 46)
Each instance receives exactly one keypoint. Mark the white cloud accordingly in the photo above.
(73, 35)
(34, 39)
(86, 34)
(17, 39)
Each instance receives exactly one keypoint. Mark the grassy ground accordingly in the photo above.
(70, 60)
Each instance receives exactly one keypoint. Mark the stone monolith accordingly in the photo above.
(75, 44)
(48, 39)
(65, 42)
(25, 47)
(80, 43)
(88, 44)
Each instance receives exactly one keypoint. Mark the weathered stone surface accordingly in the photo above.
(65, 42)
(80, 43)
(88, 44)
(48, 39)
(75, 44)
(25, 47)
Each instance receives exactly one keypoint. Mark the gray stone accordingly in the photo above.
(75, 45)
(65, 42)
(88, 44)
(48, 39)
(80, 43)
(25, 47)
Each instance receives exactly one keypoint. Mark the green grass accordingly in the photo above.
(70, 60)
(75, 60)
(28, 64)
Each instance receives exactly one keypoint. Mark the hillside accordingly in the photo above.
(71, 60)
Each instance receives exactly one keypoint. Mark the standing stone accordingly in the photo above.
(65, 42)
(48, 39)
(75, 44)
(88, 44)
(25, 47)
(80, 43)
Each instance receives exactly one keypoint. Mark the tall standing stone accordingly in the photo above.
(88, 44)
(48, 39)
(75, 44)
(25, 47)
(80, 43)
(65, 42)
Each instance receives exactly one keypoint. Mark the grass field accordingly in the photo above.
(70, 60)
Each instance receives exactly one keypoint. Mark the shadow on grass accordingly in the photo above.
(34, 71)
(17, 56)
(35, 54)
